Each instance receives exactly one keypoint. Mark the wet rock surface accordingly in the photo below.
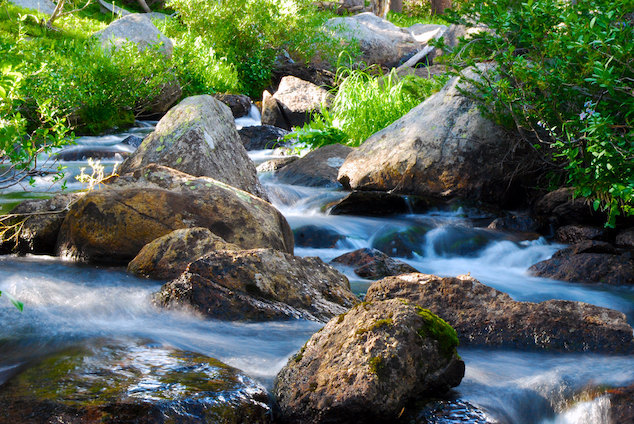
(588, 262)
(167, 257)
(373, 264)
(443, 148)
(113, 224)
(370, 203)
(261, 137)
(36, 224)
(622, 405)
(484, 316)
(259, 284)
(115, 381)
(317, 237)
(368, 365)
(318, 168)
(560, 207)
(571, 234)
(275, 164)
(625, 238)
(198, 136)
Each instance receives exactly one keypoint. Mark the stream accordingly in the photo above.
(66, 303)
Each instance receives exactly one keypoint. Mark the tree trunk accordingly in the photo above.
(438, 6)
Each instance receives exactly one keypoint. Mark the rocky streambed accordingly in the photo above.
(205, 341)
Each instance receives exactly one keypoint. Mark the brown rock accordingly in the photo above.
(443, 148)
(484, 316)
(319, 76)
(571, 234)
(373, 264)
(167, 257)
(370, 203)
(261, 137)
(259, 284)
(317, 237)
(622, 405)
(369, 365)
(239, 104)
(318, 168)
(113, 224)
(626, 238)
(299, 99)
(561, 207)
(37, 224)
(589, 263)
(199, 137)
(275, 164)
(272, 112)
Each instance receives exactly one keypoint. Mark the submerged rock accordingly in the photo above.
(167, 257)
(483, 316)
(373, 264)
(199, 137)
(131, 382)
(588, 262)
(262, 137)
(318, 168)
(113, 224)
(370, 203)
(36, 224)
(443, 148)
(369, 365)
(275, 164)
(403, 243)
(135, 28)
(259, 284)
(317, 237)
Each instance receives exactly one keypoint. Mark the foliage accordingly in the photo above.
(252, 33)
(198, 68)
(564, 78)
(15, 302)
(363, 105)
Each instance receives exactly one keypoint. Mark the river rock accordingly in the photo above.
(588, 263)
(560, 207)
(199, 137)
(316, 237)
(318, 168)
(89, 152)
(135, 28)
(113, 224)
(262, 137)
(42, 220)
(239, 104)
(43, 6)
(373, 264)
(514, 223)
(132, 141)
(369, 365)
(396, 241)
(167, 257)
(300, 99)
(317, 75)
(370, 203)
(276, 164)
(484, 316)
(625, 238)
(621, 405)
(259, 284)
(131, 382)
(157, 106)
(443, 148)
(380, 41)
(272, 112)
(571, 234)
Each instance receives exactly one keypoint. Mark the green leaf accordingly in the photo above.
(596, 204)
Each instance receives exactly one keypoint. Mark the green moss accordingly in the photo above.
(438, 329)
(299, 355)
(377, 365)
(378, 324)
(340, 318)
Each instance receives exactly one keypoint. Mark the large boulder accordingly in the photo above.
(317, 169)
(113, 224)
(239, 104)
(371, 203)
(259, 284)
(167, 257)
(571, 234)
(43, 6)
(625, 238)
(442, 148)
(297, 100)
(369, 365)
(561, 207)
(123, 381)
(484, 316)
(380, 41)
(373, 264)
(588, 262)
(135, 28)
(199, 137)
(35, 224)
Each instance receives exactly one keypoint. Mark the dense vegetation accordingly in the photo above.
(564, 77)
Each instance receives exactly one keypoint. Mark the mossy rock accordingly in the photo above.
(125, 381)
(401, 243)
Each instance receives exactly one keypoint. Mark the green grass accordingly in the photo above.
(403, 20)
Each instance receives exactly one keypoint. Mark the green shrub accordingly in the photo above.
(564, 78)
(365, 104)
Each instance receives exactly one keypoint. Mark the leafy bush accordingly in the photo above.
(251, 33)
(565, 80)
(365, 104)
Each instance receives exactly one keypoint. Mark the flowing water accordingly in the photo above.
(66, 303)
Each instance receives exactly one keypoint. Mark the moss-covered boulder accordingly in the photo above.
(259, 284)
(369, 365)
(168, 256)
(107, 381)
(484, 316)
(113, 224)
(199, 137)
(33, 225)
